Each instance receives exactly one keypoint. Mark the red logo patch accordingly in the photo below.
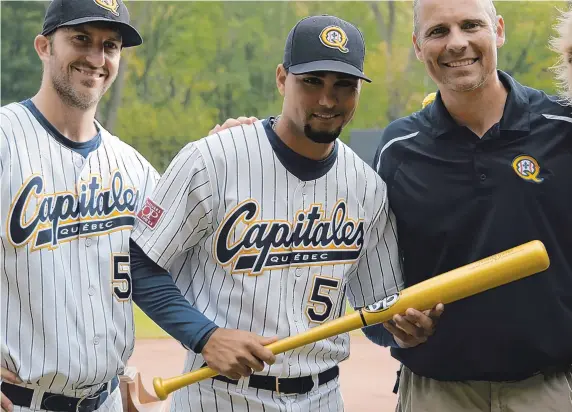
(150, 213)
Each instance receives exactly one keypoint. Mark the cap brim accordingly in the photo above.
(328, 66)
(129, 36)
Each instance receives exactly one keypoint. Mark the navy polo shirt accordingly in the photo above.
(459, 198)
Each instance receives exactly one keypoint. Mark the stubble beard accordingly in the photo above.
(62, 83)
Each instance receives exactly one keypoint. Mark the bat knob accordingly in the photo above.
(160, 389)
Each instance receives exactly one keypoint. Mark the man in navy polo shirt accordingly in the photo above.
(487, 166)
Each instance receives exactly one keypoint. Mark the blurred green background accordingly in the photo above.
(202, 62)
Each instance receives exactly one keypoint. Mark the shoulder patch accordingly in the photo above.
(150, 213)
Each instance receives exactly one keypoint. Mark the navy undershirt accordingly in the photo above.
(83, 148)
(303, 168)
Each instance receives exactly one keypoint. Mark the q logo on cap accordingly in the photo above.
(111, 5)
(335, 38)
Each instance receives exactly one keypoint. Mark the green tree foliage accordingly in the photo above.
(202, 62)
(21, 68)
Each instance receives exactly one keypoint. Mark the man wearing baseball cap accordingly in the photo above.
(289, 270)
(66, 303)
(326, 44)
(68, 13)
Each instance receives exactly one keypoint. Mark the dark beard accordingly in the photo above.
(70, 97)
(321, 137)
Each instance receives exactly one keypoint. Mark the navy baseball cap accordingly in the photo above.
(325, 43)
(62, 13)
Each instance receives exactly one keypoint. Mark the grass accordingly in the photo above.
(145, 328)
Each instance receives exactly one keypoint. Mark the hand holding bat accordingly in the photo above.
(477, 277)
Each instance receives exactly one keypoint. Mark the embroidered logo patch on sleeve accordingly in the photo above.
(150, 213)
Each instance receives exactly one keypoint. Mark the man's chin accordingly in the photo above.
(322, 136)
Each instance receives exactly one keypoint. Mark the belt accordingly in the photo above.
(21, 396)
(299, 385)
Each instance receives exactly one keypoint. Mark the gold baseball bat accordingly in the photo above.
(504, 267)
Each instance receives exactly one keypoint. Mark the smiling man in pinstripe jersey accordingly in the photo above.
(70, 191)
(266, 227)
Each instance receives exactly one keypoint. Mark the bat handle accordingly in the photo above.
(163, 387)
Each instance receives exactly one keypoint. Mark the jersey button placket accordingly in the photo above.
(79, 161)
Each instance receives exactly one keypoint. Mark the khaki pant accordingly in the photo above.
(540, 393)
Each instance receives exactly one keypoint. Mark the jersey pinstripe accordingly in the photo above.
(67, 323)
(255, 248)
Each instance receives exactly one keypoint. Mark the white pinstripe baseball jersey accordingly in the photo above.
(67, 323)
(255, 248)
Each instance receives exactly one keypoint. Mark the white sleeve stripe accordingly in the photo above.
(554, 117)
(395, 283)
(192, 277)
(125, 168)
(198, 221)
(381, 264)
(386, 146)
(38, 142)
(248, 161)
(225, 166)
(371, 223)
(215, 172)
(261, 165)
(176, 249)
(174, 169)
(184, 246)
(158, 236)
(25, 142)
(176, 205)
(198, 186)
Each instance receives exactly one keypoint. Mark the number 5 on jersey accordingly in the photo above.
(121, 276)
(321, 305)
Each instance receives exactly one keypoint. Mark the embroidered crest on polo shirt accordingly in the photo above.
(334, 38)
(527, 168)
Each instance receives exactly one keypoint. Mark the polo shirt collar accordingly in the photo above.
(516, 115)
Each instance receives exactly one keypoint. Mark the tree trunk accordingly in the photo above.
(116, 95)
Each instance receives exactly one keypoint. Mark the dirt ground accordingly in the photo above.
(367, 377)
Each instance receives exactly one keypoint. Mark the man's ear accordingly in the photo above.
(281, 74)
(416, 46)
(43, 47)
(501, 34)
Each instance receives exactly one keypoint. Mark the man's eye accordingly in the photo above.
(437, 31)
(110, 45)
(81, 37)
(312, 80)
(469, 26)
